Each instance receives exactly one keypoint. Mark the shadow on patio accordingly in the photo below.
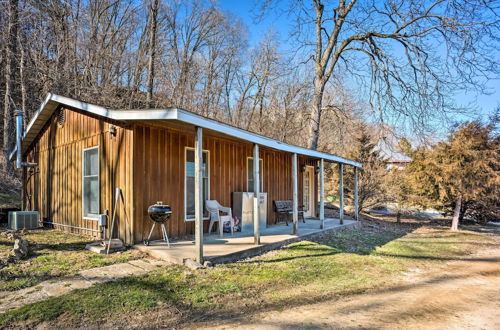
(240, 245)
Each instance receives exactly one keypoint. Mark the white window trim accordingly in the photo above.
(98, 186)
(185, 183)
(261, 174)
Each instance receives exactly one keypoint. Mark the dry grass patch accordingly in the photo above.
(52, 254)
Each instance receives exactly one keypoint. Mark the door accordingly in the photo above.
(308, 192)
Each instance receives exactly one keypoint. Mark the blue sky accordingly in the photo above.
(280, 25)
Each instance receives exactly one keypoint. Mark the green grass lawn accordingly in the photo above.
(53, 254)
(334, 265)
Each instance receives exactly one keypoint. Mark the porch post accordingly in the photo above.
(322, 193)
(198, 193)
(256, 189)
(341, 193)
(295, 210)
(356, 212)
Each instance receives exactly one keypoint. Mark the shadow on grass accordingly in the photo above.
(37, 250)
(476, 243)
(490, 229)
(423, 257)
(149, 290)
(235, 315)
(195, 301)
(351, 241)
(365, 243)
(193, 316)
(296, 257)
(61, 246)
(130, 293)
(362, 306)
(10, 244)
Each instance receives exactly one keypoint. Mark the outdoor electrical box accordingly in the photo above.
(102, 220)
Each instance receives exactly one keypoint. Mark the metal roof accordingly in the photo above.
(52, 101)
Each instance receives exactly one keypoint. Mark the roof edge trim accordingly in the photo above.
(172, 114)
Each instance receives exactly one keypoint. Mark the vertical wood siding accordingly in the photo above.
(159, 165)
(148, 164)
(55, 190)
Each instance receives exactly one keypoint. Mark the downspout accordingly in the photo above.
(19, 114)
(19, 133)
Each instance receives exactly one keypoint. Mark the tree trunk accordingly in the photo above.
(315, 119)
(22, 81)
(10, 78)
(208, 86)
(152, 51)
(456, 213)
(138, 69)
(76, 83)
(463, 209)
(398, 217)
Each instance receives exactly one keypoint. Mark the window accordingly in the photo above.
(189, 182)
(250, 174)
(91, 183)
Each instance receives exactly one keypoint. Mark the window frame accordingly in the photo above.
(88, 217)
(261, 166)
(186, 219)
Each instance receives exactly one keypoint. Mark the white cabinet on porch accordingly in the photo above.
(243, 209)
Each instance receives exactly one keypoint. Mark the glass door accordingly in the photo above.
(308, 190)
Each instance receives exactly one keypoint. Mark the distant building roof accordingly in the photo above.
(399, 158)
(390, 154)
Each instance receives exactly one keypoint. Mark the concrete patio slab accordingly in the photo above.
(239, 246)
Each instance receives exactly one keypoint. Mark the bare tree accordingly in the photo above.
(10, 79)
(135, 68)
(190, 26)
(265, 68)
(187, 53)
(223, 47)
(153, 14)
(409, 54)
(190, 53)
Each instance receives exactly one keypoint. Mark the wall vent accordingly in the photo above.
(61, 117)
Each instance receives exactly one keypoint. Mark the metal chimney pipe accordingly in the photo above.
(19, 133)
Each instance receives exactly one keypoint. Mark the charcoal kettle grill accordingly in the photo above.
(159, 214)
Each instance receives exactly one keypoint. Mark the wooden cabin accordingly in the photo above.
(83, 152)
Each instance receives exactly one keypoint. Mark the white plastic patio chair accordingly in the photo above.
(214, 208)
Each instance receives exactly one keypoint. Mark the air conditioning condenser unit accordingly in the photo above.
(23, 219)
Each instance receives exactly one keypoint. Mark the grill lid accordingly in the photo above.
(159, 212)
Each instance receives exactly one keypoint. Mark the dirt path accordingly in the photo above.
(461, 295)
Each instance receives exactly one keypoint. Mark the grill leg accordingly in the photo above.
(146, 241)
(165, 236)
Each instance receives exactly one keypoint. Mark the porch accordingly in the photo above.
(198, 166)
(241, 245)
